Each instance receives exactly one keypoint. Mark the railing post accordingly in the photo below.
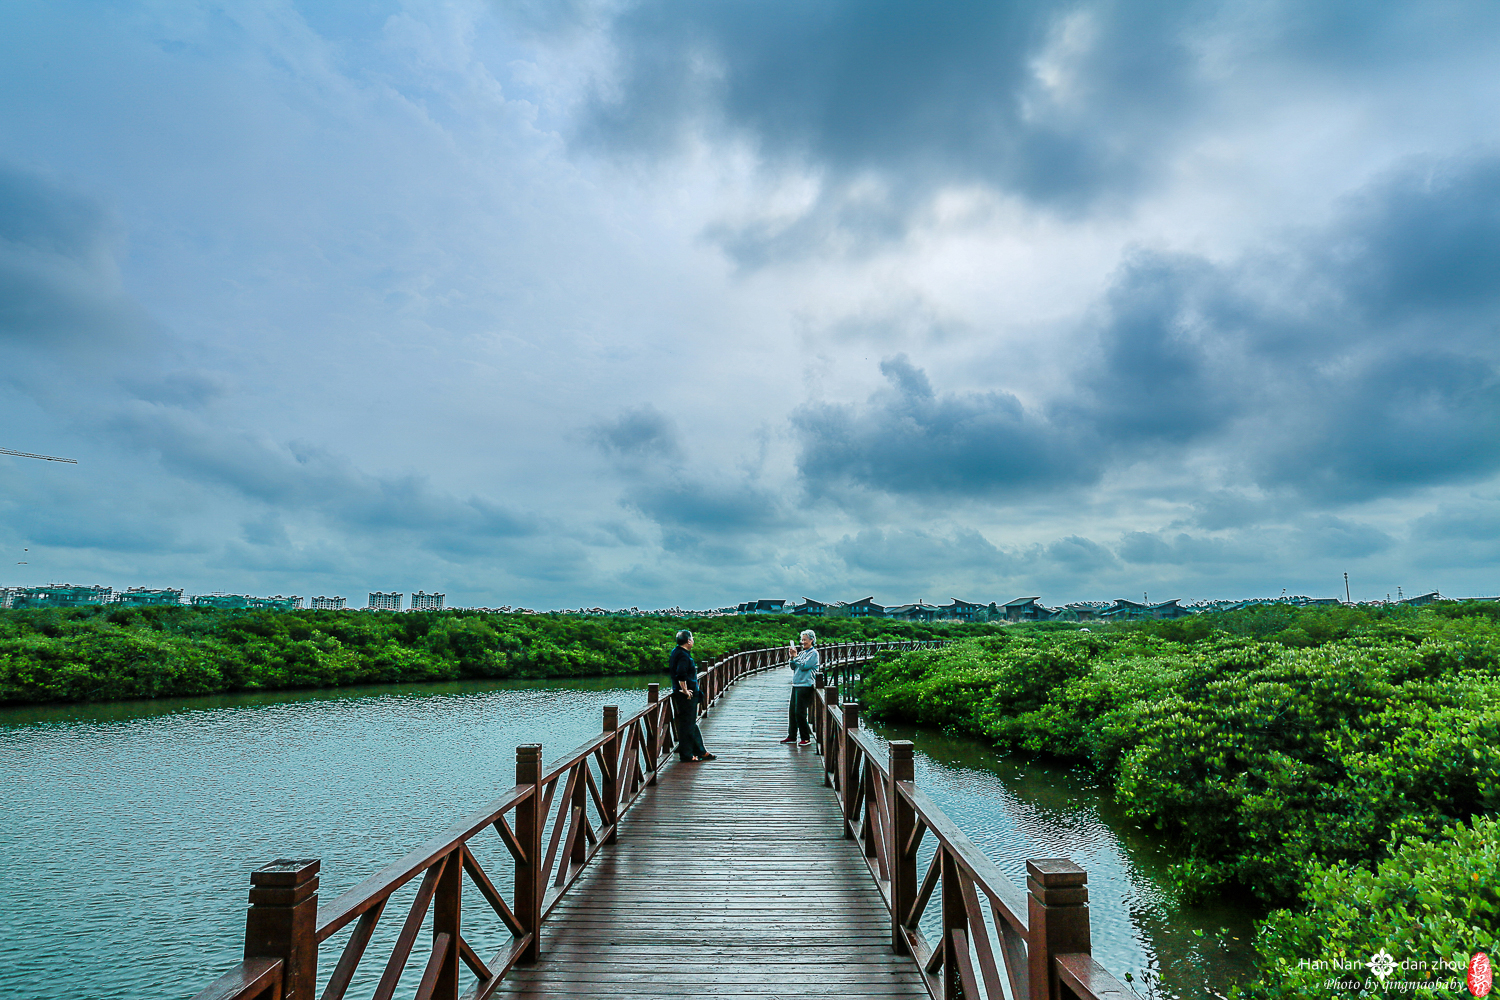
(903, 822)
(830, 739)
(955, 918)
(1057, 920)
(611, 790)
(653, 697)
(529, 821)
(447, 910)
(820, 681)
(283, 923)
(848, 767)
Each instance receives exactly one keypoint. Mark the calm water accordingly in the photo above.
(1015, 810)
(127, 831)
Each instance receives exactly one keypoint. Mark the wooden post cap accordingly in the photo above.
(1057, 882)
(1056, 871)
(284, 882)
(902, 749)
(528, 752)
(284, 872)
(611, 718)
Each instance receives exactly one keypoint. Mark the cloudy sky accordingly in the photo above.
(588, 302)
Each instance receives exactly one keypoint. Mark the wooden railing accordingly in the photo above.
(1040, 934)
(552, 823)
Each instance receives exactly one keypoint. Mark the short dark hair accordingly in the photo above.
(683, 637)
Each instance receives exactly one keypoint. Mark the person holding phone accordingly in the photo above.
(685, 701)
(804, 665)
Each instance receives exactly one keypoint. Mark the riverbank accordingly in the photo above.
(358, 776)
(1328, 760)
(108, 654)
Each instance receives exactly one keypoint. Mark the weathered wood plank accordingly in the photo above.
(730, 878)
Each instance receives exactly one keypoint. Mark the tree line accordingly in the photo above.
(103, 653)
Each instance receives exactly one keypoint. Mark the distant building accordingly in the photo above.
(1168, 610)
(1123, 610)
(328, 604)
(384, 602)
(1080, 611)
(427, 602)
(865, 607)
(62, 595)
(918, 612)
(810, 607)
(763, 608)
(964, 611)
(141, 596)
(277, 603)
(1023, 609)
(238, 602)
(1417, 602)
(220, 600)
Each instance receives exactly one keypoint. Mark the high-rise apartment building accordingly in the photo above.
(385, 602)
(328, 604)
(427, 602)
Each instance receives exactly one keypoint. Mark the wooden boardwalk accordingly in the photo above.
(730, 879)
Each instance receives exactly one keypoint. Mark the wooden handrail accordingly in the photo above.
(1040, 939)
(552, 823)
(382, 884)
(251, 979)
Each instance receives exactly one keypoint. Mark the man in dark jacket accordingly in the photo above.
(685, 700)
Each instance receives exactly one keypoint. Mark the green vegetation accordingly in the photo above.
(103, 653)
(1341, 762)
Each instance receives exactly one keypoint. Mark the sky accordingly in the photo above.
(599, 303)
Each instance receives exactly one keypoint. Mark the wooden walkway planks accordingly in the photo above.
(730, 879)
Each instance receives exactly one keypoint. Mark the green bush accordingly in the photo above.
(1432, 901)
(1341, 761)
(1255, 755)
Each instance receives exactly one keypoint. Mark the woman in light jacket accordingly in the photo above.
(804, 665)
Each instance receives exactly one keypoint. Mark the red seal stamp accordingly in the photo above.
(1481, 976)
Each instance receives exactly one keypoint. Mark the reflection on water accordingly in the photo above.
(1015, 809)
(127, 830)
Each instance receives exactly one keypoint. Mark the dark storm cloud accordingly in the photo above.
(1326, 535)
(1159, 379)
(641, 432)
(910, 439)
(1354, 362)
(59, 286)
(1081, 555)
(1424, 247)
(914, 97)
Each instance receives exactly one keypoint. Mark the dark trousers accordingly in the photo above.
(796, 713)
(689, 739)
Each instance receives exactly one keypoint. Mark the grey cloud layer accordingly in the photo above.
(344, 289)
(1351, 364)
(1066, 105)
